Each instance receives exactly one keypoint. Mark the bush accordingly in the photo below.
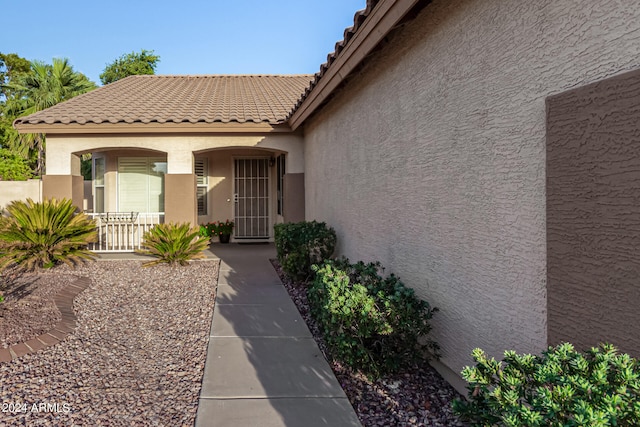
(41, 235)
(371, 323)
(173, 244)
(302, 244)
(560, 388)
(13, 167)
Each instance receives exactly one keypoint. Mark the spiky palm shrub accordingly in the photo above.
(173, 244)
(36, 235)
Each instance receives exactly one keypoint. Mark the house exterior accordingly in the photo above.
(484, 151)
(180, 148)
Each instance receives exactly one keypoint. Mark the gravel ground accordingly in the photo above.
(136, 358)
(26, 295)
(416, 397)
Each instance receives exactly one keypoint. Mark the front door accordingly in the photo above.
(251, 197)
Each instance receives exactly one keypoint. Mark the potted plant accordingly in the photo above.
(222, 229)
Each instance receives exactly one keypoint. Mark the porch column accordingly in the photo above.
(64, 181)
(180, 198)
(180, 203)
(293, 209)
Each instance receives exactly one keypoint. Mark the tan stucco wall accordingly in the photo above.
(593, 214)
(432, 160)
(20, 190)
(178, 149)
(64, 187)
(293, 208)
(180, 198)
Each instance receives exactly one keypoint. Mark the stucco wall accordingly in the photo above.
(593, 214)
(20, 190)
(432, 159)
(179, 149)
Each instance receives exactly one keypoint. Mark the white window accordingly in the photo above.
(202, 179)
(98, 184)
(141, 184)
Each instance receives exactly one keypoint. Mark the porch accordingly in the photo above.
(122, 231)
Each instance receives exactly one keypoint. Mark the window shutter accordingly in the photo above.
(202, 180)
(141, 184)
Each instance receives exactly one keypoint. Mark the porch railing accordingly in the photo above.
(122, 231)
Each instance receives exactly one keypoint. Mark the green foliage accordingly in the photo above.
(560, 388)
(86, 167)
(216, 228)
(11, 66)
(41, 235)
(302, 244)
(173, 244)
(130, 64)
(371, 323)
(43, 86)
(13, 167)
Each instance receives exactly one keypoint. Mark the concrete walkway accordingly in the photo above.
(263, 366)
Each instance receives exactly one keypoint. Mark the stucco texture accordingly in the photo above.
(593, 214)
(432, 158)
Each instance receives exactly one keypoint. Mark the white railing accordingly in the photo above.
(122, 231)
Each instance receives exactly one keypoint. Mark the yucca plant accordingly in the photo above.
(35, 235)
(173, 244)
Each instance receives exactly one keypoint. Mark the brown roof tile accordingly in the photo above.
(179, 99)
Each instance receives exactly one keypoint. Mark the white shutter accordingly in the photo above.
(133, 184)
(202, 179)
(141, 184)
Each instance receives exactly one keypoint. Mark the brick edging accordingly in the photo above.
(64, 302)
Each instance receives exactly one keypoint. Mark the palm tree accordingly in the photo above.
(45, 86)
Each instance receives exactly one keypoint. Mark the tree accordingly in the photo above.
(43, 87)
(11, 66)
(130, 64)
(13, 167)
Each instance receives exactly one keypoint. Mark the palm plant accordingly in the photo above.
(40, 235)
(173, 244)
(45, 86)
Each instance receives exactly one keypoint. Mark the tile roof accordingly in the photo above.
(180, 99)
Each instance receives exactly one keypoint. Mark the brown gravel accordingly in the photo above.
(28, 309)
(136, 358)
(415, 397)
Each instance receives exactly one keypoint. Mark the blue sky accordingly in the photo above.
(191, 36)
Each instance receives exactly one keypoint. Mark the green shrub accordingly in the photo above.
(13, 167)
(371, 323)
(302, 244)
(560, 388)
(173, 244)
(41, 235)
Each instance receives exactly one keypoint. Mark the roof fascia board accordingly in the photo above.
(380, 22)
(136, 128)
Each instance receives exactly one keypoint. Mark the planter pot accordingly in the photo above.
(224, 238)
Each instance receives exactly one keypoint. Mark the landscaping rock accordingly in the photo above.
(136, 358)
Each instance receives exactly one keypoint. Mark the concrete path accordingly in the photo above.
(263, 366)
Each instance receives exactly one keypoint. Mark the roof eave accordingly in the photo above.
(132, 128)
(382, 19)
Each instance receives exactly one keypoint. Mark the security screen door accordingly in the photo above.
(251, 197)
